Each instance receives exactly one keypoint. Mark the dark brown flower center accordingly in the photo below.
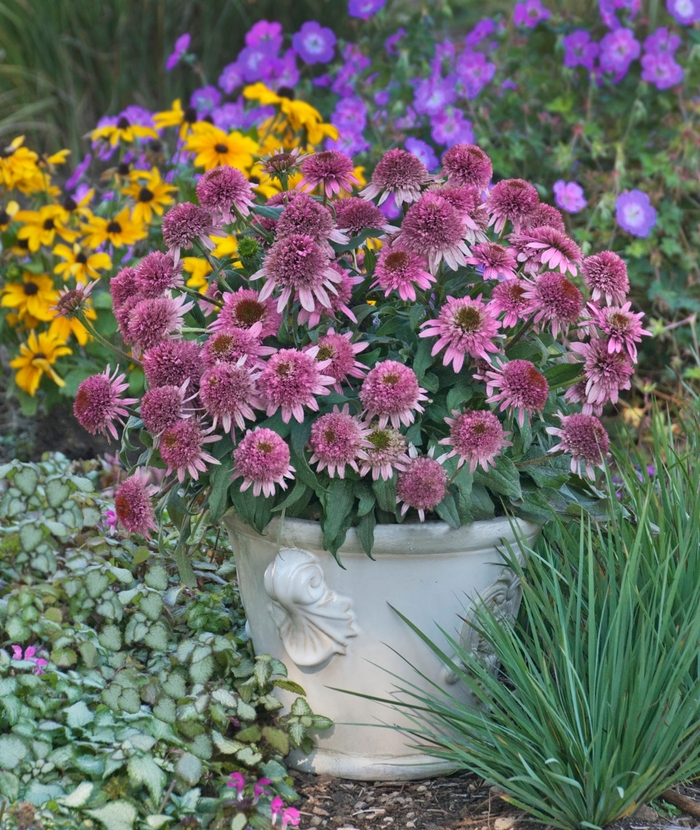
(397, 260)
(221, 148)
(326, 352)
(146, 195)
(5, 218)
(390, 380)
(48, 225)
(249, 312)
(468, 319)
(479, 429)
(114, 227)
(264, 446)
(330, 435)
(170, 439)
(254, 180)
(123, 123)
(284, 369)
(6, 152)
(81, 258)
(23, 243)
(221, 344)
(286, 92)
(190, 115)
(123, 168)
(31, 288)
(39, 356)
(69, 203)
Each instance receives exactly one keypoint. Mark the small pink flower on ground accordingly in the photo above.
(29, 655)
(123, 287)
(329, 170)
(236, 780)
(477, 437)
(606, 276)
(551, 248)
(229, 393)
(467, 164)
(522, 388)
(243, 309)
(132, 503)
(543, 215)
(300, 267)
(172, 362)
(585, 439)
(399, 174)
(391, 392)
(304, 215)
(156, 274)
(509, 297)
(386, 452)
(229, 345)
(511, 200)
(555, 300)
(621, 325)
(338, 439)
(607, 373)
(340, 354)
(422, 485)
(262, 460)
(98, 404)
(161, 407)
(400, 270)
(354, 215)
(181, 448)
(434, 228)
(151, 321)
(463, 327)
(183, 225)
(260, 789)
(498, 262)
(291, 379)
(223, 191)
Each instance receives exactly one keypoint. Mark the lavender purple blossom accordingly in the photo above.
(314, 43)
(635, 213)
(182, 44)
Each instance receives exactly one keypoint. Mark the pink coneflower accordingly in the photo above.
(523, 388)
(123, 287)
(400, 270)
(156, 274)
(340, 354)
(185, 223)
(339, 300)
(291, 379)
(509, 297)
(262, 460)
(391, 392)
(544, 215)
(498, 262)
(161, 407)
(606, 276)
(305, 216)
(224, 191)
(300, 267)
(467, 164)
(172, 362)
(422, 485)
(228, 393)
(463, 327)
(470, 206)
(354, 215)
(229, 345)
(511, 200)
(151, 321)
(622, 326)
(329, 170)
(98, 403)
(551, 248)
(477, 437)
(132, 503)
(433, 227)
(181, 448)
(386, 452)
(555, 300)
(585, 439)
(337, 440)
(399, 174)
(577, 394)
(607, 373)
(244, 308)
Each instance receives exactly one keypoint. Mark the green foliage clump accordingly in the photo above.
(151, 694)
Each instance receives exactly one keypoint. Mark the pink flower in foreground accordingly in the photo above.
(98, 404)
(422, 485)
(621, 325)
(391, 392)
(161, 407)
(522, 388)
(338, 439)
(181, 448)
(291, 379)
(329, 170)
(463, 327)
(229, 393)
(304, 215)
(386, 452)
(262, 460)
(606, 276)
(477, 437)
(123, 287)
(339, 300)
(354, 215)
(550, 248)
(555, 301)
(224, 191)
(156, 274)
(243, 309)
(542, 215)
(434, 228)
(151, 321)
(401, 271)
(607, 373)
(340, 354)
(467, 164)
(183, 225)
(577, 394)
(511, 200)
(585, 439)
(467, 201)
(509, 297)
(399, 174)
(229, 345)
(172, 362)
(132, 503)
(498, 262)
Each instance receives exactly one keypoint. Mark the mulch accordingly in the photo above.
(458, 802)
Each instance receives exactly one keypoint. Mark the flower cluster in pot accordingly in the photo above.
(342, 368)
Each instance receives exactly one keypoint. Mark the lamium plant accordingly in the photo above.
(449, 365)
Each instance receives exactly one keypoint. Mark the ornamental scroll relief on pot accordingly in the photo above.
(313, 621)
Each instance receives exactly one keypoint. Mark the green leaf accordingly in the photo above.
(447, 511)
(158, 820)
(30, 536)
(110, 638)
(504, 478)
(13, 751)
(277, 739)
(289, 686)
(157, 578)
(267, 212)
(337, 504)
(422, 359)
(57, 492)
(189, 768)
(365, 532)
(385, 491)
(458, 395)
(119, 815)
(9, 786)
(297, 493)
(78, 715)
(80, 795)
(562, 373)
(143, 771)
(201, 747)
(220, 480)
(26, 480)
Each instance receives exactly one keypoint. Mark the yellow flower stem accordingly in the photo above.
(100, 339)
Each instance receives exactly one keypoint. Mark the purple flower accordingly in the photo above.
(580, 49)
(662, 41)
(283, 71)
(660, 69)
(407, 121)
(354, 62)
(80, 171)
(529, 13)
(684, 11)
(450, 127)
(424, 152)
(231, 77)
(230, 116)
(182, 44)
(314, 43)
(609, 8)
(364, 9)
(617, 51)
(253, 59)
(237, 782)
(349, 143)
(635, 213)
(569, 196)
(433, 94)
(392, 40)
(350, 115)
(255, 116)
(482, 30)
(508, 84)
(322, 80)
(205, 99)
(265, 34)
(474, 72)
(137, 115)
(382, 98)
(389, 207)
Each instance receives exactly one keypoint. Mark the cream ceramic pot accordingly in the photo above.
(334, 628)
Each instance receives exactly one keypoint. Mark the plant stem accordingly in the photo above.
(100, 339)
(526, 326)
(539, 460)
